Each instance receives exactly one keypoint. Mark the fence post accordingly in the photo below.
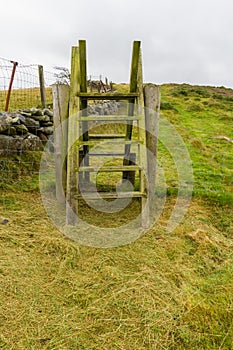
(42, 86)
(15, 64)
(152, 107)
(61, 109)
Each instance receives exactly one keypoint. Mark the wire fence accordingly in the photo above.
(25, 123)
(21, 86)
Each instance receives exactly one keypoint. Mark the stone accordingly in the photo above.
(22, 119)
(46, 124)
(47, 112)
(3, 221)
(39, 118)
(32, 143)
(21, 129)
(11, 131)
(9, 145)
(31, 123)
(47, 130)
(16, 120)
(36, 112)
(26, 114)
(26, 110)
(5, 122)
(46, 119)
(105, 107)
(42, 137)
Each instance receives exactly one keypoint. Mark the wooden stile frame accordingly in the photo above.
(143, 108)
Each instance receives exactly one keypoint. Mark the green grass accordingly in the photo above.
(164, 291)
(200, 122)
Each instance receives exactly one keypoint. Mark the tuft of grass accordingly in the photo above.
(166, 106)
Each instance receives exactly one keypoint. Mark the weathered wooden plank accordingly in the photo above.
(61, 109)
(111, 154)
(73, 136)
(152, 104)
(83, 89)
(111, 118)
(83, 66)
(111, 195)
(104, 169)
(111, 141)
(134, 66)
(108, 96)
(142, 152)
(106, 136)
(133, 89)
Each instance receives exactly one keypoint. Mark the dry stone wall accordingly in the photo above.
(26, 129)
(29, 129)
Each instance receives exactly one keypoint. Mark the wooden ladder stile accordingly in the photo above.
(78, 119)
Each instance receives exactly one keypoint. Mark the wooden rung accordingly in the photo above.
(111, 195)
(106, 136)
(106, 154)
(106, 169)
(112, 118)
(110, 141)
(107, 96)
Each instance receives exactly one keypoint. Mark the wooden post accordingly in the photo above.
(60, 115)
(152, 106)
(142, 137)
(90, 84)
(83, 88)
(133, 88)
(15, 64)
(42, 86)
(73, 136)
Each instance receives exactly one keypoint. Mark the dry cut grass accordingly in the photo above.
(164, 291)
(24, 98)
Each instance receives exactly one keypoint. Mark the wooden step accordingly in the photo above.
(111, 195)
(103, 169)
(107, 96)
(112, 118)
(113, 154)
(106, 136)
(110, 141)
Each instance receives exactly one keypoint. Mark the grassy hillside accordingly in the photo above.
(203, 116)
(164, 291)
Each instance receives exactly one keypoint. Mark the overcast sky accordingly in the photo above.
(182, 40)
